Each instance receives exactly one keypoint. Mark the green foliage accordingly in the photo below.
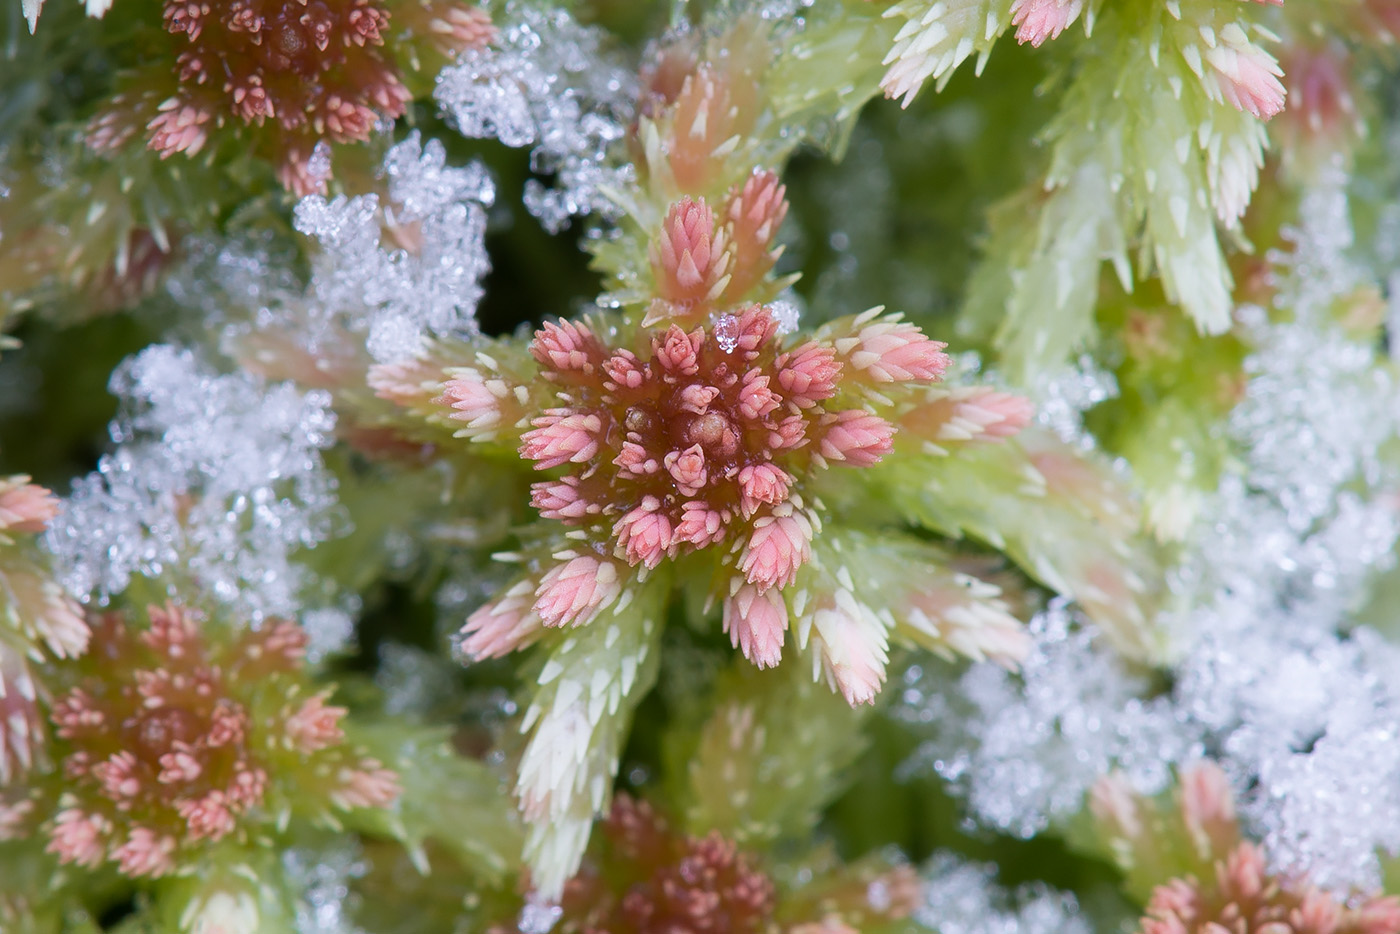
(768, 760)
(457, 803)
(1142, 160)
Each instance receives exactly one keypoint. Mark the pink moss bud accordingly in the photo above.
(994, 415)
(696, 398)
(573, 593)
(124, 119)
(756, 620)
(679, 352)
(205, 817)
(17, 810)
(1376, 915)
(687, 468)
(25, 506)
(891, 350)
(855, 437)
(475, 399)
(966, 616)
(758, 209)
(315, 725)
(754, 212)
(21, 724)
(1320, 89)
(780, 544)
(1247, 76)
(761, 484)
(624, 371)
(561, 437)
(568, 345)
(789, 433)
(47, 614)
(145, 853)
(634, 461)
(1207, 807)
(649, 879)
(853, 646)
(451, 27)
(407, 384)
(1116, 806)
(747, 334)
(179, 126)
(1039, 20)
(78, 838)
(756, 400)
(1322, 117)
(644, 534)
(809, 374)
(178, 766)
(368, 785)
(76, 714)
(561, 499)
(171, 737)
(710, 110)
(502, 626)
(118, 777)
(664, 72)
(966, 414)
(1243, 896)
(688, 258)
(700, 525)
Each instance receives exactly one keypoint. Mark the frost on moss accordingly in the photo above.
(215, 480)
(721, 543)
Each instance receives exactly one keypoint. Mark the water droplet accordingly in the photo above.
(318, 166)
(538, 916)
(726, 331)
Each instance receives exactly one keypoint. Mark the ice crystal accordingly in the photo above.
(329, 628)
(538, 916)
(1310, 723)
(323, 880)
(963, 898)
(430, 282)
(547, 83)
(787, 315)
(1317, 408)
(1063, 396)
(1025, 750)
(215, 478)
(1302, 715)
(1302, 469)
